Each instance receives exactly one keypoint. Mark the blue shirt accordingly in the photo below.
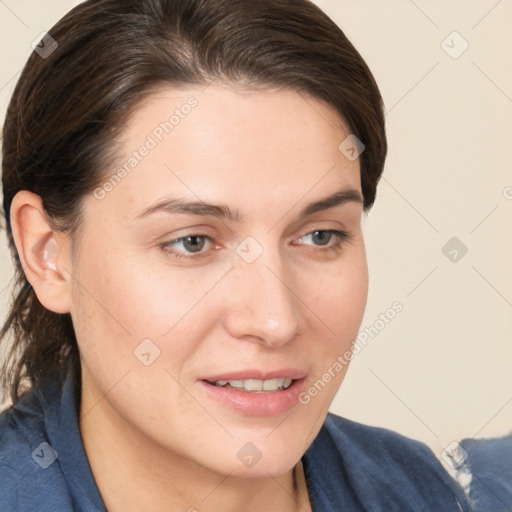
(348, 467)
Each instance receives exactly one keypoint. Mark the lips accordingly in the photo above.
(245, 396)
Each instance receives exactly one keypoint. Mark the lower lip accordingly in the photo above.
(256, 403)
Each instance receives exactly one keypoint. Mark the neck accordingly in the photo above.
(133, 473)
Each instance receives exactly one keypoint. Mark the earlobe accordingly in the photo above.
(43, 253)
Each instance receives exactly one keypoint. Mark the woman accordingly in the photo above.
(184, 183)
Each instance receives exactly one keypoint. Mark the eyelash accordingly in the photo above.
(341, 237)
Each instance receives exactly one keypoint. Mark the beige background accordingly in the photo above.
(441, 369)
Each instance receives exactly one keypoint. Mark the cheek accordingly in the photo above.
(338, 301)
(339, 296)
(122, 300)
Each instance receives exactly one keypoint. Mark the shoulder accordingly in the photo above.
(9, 475)
(376, 445)
(19, 426)
(380, 469)
(486, 467)
(28, 467)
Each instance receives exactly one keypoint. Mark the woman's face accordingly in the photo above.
(252, 281)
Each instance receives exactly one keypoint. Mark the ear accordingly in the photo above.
(45, 255)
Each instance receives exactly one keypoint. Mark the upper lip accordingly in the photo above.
(256, 374)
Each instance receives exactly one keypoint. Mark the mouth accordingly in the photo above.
(255, 393)
(255, 385)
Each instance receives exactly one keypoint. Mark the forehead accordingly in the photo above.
(247, 148)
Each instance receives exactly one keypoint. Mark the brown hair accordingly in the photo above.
(69, 106)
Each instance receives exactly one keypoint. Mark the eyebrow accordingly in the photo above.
(175, 205)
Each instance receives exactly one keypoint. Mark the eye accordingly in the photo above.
(320, 236)
(325, 239)
(187, 245)
(196, 245)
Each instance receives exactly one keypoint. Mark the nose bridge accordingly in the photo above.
(264, 305)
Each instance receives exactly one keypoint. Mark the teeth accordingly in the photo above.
(272, 384)
(253, 385)
(257, 385)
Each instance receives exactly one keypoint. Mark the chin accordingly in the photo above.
(269, 465)
(257, 453)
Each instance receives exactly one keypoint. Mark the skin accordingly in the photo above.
(266, 154)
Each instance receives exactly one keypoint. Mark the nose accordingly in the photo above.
(262, 305)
